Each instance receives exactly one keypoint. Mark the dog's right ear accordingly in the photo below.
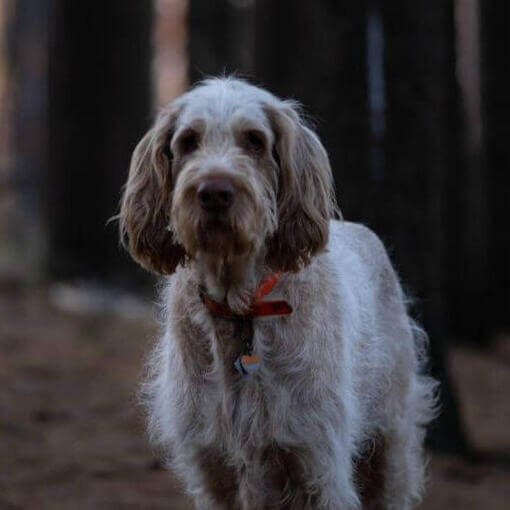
(145, 206)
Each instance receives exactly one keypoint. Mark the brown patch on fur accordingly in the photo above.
(369, 472)
(194, 344)
(221, 479)
(228, 332)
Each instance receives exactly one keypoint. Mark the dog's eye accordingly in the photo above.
(254, 142)
(188, 142)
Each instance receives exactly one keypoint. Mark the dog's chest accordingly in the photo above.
(246, 349)
(244, 393)
(232, 339)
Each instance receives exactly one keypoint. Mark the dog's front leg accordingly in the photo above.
(332, 480)
(218, 481)
(293, 477)
(318, 436)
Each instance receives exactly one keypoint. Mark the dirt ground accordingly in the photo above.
(71, 433)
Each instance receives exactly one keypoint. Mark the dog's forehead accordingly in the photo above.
(222, 102)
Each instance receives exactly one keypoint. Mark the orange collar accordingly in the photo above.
(258, 308)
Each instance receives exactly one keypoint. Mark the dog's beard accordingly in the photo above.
(225, 237)
(228, 247)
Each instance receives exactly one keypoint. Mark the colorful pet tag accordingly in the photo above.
(247, 363)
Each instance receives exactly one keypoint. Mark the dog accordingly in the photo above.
(288, 373)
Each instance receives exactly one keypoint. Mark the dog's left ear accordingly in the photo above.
(306, 196)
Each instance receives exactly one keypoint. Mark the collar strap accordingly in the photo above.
(257, 308)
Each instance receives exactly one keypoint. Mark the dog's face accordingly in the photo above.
(225, 175)
(227, 170)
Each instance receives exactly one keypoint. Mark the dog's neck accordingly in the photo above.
(231, 280)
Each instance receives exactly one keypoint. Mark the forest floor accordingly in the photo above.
(71, 432)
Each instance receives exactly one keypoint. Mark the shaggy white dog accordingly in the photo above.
(312, 399)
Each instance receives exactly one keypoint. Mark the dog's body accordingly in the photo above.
(335, 414)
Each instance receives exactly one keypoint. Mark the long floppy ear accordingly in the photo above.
(306, 197)
(145, 205)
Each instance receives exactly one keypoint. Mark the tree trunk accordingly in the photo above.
(221, 39)
(419, 155)
(465, 215)
(23, 224)
(495, 17)
(99, 107)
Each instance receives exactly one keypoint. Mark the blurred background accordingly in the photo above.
(411, 100)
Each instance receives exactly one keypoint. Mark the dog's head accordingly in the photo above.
(227, 169)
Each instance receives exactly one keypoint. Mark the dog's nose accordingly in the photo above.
(215, 194)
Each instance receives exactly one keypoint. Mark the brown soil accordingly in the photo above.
(71, 435)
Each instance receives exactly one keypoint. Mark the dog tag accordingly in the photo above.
(247, 363)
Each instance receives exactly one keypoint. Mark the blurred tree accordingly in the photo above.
(222, 37)
(24, 229)
(495, 16)
(465, 204)
(420, 154)
(99, 107)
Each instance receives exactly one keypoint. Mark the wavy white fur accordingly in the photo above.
(340, 378)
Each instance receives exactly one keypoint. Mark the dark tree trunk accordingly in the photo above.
(24, 227)
(99, 107)
(419, 155)
(496, 133)
(465, 207)
(221, 38)
(315, 52)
